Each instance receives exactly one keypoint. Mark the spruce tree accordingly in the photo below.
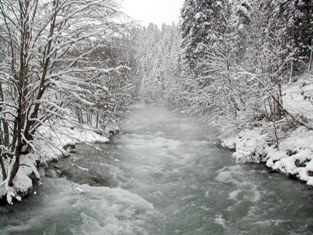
(203, 22)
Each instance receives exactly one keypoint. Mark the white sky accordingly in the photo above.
(155, 11)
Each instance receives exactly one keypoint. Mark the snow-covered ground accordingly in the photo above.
(293, 155)
(50, 144)
(298, 97)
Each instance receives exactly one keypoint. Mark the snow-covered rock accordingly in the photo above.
(293, 155)
(249, 146)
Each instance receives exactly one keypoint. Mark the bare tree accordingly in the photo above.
(44, 47)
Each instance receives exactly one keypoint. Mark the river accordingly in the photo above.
(161, 175)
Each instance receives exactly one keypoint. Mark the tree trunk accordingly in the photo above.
(4, 174)
(5, 124)
(18, 141)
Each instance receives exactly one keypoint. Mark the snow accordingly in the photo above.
(68, 134)
(48, 146)
(248, 144)
(298, 97)
(294, 153)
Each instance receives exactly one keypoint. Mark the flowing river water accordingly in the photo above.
(161, 175)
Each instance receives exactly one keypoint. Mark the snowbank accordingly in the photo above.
(49, 145)
(293, 155)
(248, 146)
(50, 142)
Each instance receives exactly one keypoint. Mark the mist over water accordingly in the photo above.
(166, 176)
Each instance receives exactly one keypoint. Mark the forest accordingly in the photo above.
(80, 65)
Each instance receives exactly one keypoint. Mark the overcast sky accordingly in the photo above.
(156, 11)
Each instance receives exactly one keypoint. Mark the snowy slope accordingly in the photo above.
(294, 154)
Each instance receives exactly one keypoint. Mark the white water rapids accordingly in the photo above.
(166, 177)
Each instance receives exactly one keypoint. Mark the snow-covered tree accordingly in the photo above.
(156, 53)
(108, 95)
(203, 23)
(45, 48)
(239, 54)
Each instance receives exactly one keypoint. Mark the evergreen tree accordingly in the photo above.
(156, 52)
(239, 55)
(203, 23)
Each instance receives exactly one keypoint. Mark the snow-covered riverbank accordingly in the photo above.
(293, 156)
(51, 144)
(290, 151)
